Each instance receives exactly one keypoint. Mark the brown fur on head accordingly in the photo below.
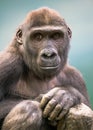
(45, 16)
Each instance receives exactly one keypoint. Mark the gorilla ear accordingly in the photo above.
(69, 32)
(19, 36)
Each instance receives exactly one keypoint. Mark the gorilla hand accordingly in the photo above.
(57, 102)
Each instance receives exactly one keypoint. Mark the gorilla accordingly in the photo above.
(37, 84)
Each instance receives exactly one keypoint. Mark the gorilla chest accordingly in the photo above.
(33, 88)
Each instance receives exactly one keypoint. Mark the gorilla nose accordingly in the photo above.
(47, 54)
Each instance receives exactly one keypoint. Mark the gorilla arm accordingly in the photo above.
(10, 71)
(27, 115)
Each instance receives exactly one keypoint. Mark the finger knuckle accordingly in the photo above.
(58, 107)
(50, 103)
(46, 97)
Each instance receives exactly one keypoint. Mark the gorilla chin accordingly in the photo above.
(50, 71)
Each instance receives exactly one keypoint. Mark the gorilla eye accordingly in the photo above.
(56, 35)
(38, 36)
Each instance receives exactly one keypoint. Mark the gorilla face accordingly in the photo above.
(45, 45)
(46, 49)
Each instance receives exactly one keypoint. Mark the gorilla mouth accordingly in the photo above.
(49, 67)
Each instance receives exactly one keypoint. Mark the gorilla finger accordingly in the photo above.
(62, 113)
(44, 101)
(55, 112)
(47, 97)
(49, 107)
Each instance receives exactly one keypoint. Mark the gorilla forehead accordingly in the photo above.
(44, 16)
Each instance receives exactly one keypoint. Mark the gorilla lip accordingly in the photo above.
(49, 67)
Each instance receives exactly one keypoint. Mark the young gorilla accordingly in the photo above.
(37, 86)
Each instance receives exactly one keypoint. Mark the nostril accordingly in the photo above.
(44, 56)
(53, 55)
(48, 55)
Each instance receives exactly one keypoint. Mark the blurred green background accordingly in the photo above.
(77, 13)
